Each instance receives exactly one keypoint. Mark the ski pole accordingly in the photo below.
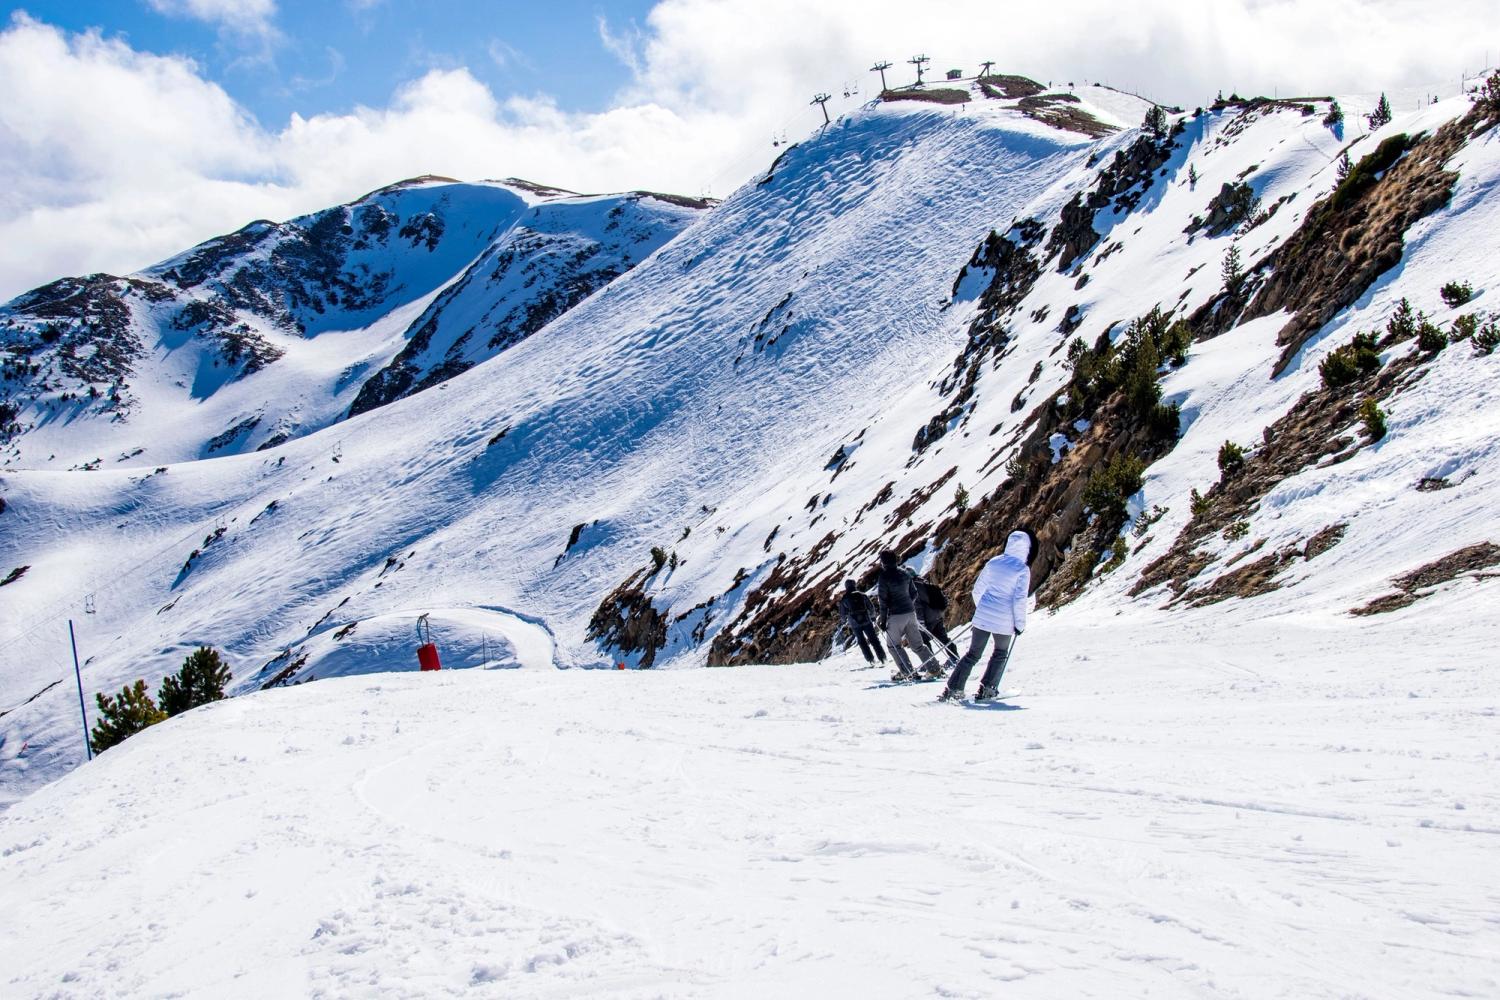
(1009, 652)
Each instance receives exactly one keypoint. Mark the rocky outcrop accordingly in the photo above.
(538, 271)
(1121, 185)
(1008, 86)
(627, 622)
(1014, 266)
(1356, 234)
(1313, 432)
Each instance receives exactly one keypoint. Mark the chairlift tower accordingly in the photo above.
(919, 62)
(821, 100)
(985, 68)
(880, 68)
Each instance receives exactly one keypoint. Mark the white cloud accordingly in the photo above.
(243, 17)
(507, 57)
(624, 44)
(111, 158)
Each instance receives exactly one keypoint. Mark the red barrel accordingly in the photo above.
(427, 657)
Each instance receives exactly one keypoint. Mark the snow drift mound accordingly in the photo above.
(466, 638)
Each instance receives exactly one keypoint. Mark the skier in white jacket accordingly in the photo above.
(999, 613)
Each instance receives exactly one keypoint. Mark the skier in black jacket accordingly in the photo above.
(931, 603)
(858, 614)
(898, 616)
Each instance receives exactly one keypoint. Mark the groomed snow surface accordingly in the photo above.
(1290, 810)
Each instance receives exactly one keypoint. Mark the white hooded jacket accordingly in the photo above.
(1000, 591)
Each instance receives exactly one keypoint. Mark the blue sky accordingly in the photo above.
(330, 55)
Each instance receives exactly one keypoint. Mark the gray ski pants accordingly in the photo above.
(978, 639)
(899, 627)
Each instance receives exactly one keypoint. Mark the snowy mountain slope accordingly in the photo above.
(807, 374)
(551, 259)
(667, 392)
(274, 331)
(1025, 452)
(1289, 814)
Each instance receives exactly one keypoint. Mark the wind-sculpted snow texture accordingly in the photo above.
(554, 257)
(273, 332)
(746, 401)
(1259, 810)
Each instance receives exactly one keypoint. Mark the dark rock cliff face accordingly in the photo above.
(291, 273)
(83, 323)
(1015, 267)
(85, 337)
(1121, 185)
(627, 621)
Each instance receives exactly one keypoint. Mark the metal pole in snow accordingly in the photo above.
(78, 676)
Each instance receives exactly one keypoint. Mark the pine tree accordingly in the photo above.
(1344, 166)
(1335, 116)
(1231, 459)
(1233, 272)
(1156, 122)
(122, 716)
(200, 681)
(1380, 116)
(1488, 93)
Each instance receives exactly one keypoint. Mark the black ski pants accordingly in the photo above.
(868, 637)
(978, 640)
(933, 622)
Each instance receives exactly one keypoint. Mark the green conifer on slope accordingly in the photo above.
(200, 681)
(123, 715)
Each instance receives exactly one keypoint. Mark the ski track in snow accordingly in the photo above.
(1284, 816)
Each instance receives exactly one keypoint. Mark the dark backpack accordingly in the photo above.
(935, 598)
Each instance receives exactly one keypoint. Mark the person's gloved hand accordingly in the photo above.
(882, 623)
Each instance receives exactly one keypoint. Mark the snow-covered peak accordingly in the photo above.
(273, 331)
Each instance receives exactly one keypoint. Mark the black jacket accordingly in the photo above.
(931, 601)
(897, 592)
(856, 608)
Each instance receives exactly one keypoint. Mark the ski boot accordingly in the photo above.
(987, 693)
(904, 676)
(950, 695)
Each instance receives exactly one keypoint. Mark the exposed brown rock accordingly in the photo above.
(1356, 234)
(1308, 434)
(626, 620)
(1470, 559)
(937, 95)
(1006, 86)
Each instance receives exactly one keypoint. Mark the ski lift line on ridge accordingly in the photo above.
(60, 608)
(745, 160)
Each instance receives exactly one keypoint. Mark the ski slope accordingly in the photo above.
(632, 412)
(1296, 808)
(693, 405)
